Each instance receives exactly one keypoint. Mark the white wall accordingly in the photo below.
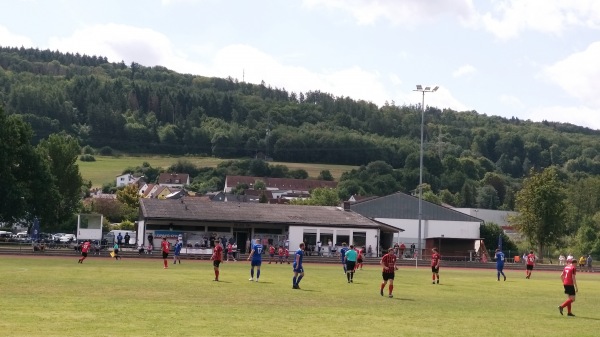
(432, 229)
(498, 217)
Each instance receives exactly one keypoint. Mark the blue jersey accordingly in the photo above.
(499, 258)
(300, 253)
(343, 252)
(178, 246)
(258, 249)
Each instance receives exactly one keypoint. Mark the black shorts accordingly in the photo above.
(529, 267)
(84, 254)
(359, 261)
(435, 269)
(165, 255)
(350, 265)
(570, 290)
(216, 263)
(388, 276)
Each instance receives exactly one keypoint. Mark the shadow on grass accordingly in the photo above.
(588, 318)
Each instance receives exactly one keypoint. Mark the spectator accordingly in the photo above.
(370, 251)
(150, 239)
(127, 237)
(318, 248)
(561, 260)
(402, 248)
(120, 239)
(581, 262)
(589, 263)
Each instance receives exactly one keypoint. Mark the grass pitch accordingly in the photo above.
(55, 296)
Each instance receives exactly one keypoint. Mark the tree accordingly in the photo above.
(542, 209)
(325, 175)
(61, 151)
(129, 196)
(490, 232)
(26, 183)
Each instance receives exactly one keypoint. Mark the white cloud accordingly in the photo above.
(126, 43)
(512, 102)
(577, 115)
(397, 12)
(8, 39)
(463, 70)
(510, 17)
(258, 66)
(578, 75)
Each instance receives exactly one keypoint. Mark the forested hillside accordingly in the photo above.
(471, 159)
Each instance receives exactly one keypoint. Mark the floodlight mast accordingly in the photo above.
(423, 90)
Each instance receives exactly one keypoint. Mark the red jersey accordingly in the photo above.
(389, 263)
(218, 253)
(530, 259)
(229, 248)
(164, 246)
(435, 259)
(287, 252)
(568, 274)
(280, 251)
(271, 250)
(86, 247)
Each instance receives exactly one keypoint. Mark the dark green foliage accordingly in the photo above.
(106, 151)
(87, 157)
(489, 232)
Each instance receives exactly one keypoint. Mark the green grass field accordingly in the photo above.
(105, 169)
(55, 296)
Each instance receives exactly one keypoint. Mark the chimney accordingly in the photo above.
(346, 205)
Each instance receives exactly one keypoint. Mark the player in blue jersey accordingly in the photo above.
(500, 263)
(298, 269)
(256, 257)
(177, 251)
(343, 251)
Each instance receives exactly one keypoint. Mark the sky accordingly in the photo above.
(534, 59)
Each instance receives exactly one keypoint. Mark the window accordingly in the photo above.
(341, 239)
(359, 238)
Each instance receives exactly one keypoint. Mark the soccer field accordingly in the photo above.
(56, 296)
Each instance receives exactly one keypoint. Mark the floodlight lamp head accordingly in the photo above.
(435, 89)
(419, 87)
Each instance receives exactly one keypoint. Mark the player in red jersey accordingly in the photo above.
(530, 263)
(388, 262)
(570, 285)
(164, 248)
(216, 258)
(359, 258)
(435, 266)
(230, 252)
(271, 253)
(280, 254)
(287, 255)
(85, 248)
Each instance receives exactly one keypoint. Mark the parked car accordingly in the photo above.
(68, 238)
(56, 237)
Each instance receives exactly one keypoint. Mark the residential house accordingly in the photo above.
(178, 180)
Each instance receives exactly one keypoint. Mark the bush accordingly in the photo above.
(87, 157)
(106, 151)
(88, 150)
